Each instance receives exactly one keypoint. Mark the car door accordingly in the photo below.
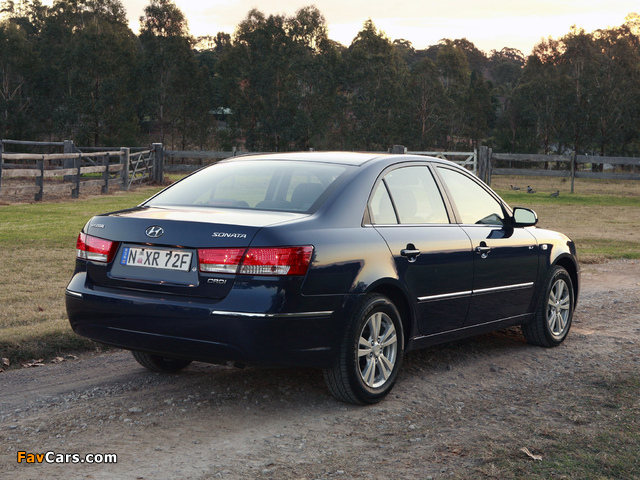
(505, 258)
(433, 256)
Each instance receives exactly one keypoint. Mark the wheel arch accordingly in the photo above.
(569, 265)
(402, 304)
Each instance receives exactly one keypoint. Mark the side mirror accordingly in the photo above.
(524, 217)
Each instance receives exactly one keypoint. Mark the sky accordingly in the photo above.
(489, 24)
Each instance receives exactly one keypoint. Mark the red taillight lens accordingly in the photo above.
(220, 260)
(95, 249)
(277, 261)
(256, 261)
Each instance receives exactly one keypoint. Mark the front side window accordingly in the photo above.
(475, 205)
(408, 195)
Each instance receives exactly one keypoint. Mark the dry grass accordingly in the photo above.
(37, 257)
(602, 218)
(547, 185)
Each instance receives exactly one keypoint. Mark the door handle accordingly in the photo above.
(483, 250)
(411, 252)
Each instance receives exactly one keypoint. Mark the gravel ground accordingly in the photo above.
(453, 407)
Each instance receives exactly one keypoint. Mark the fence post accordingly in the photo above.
(68, 162)
(1, 163)
(40, 180)
(573, 168)
(158, 163)
(124, 173)
(105, 174)
(489, 166)
(401, 149)
(482, 163)
(77, 164)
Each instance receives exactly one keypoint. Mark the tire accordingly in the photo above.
(370, 353)
(157, 363)
(554, 313)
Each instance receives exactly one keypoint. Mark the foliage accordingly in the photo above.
(376, 80)
(279, 82)
(75, 70)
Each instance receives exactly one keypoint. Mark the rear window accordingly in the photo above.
(257, 185)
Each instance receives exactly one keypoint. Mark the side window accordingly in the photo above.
(381, 208)
(416, 196)
(474, 203)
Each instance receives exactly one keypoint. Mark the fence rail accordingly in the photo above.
(571, 170)
(58, 173)
(469, 160)
(148, 165)
(141, 168)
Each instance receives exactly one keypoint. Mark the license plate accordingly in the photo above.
(156, 258)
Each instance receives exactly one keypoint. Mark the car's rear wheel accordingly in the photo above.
(158, 363)
(370, 354)
(554, 313)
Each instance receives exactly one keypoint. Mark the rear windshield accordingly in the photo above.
(257, 185)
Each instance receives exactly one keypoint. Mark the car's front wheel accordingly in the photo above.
(157, 363)
(370, 354)
(554, 314)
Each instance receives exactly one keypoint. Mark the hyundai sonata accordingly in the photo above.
(341, 261)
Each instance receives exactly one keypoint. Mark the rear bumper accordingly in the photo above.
(207, 331)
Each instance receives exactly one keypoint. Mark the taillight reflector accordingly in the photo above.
(95, 249)
(256, 261)
(220, 260)
(277, 261)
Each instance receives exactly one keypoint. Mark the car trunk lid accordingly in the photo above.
(191, 252)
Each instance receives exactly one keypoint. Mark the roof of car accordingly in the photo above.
(345, 158)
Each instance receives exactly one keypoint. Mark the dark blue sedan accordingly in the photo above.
(340, 261)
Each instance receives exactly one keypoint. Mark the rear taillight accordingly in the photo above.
(277, 261)
(220, 260)
(256, 261)
(95, 249)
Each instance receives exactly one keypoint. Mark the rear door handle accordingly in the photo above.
(411, 252)
(483, 250)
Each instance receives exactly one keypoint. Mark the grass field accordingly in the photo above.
(602, 218)
(37, 256)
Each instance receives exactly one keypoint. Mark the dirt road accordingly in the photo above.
(454, 410)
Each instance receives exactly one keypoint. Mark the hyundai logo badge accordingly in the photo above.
(154, 232)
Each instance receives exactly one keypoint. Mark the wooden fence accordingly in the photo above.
(43, 171)
(197, 158)
(74, 170)
(468, 160)
(566, 166)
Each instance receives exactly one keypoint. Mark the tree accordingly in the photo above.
(614, 98)
(481, 109)
(163, 18)
(454, 72)
(261, 86)
(577, 63)
(505, 66)
(426, 100)
(279, 80)
(476, 58)
(178, 96)
(376, 86)
(97, 61)
(17, 59)
(543, 93)
(315, 63)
